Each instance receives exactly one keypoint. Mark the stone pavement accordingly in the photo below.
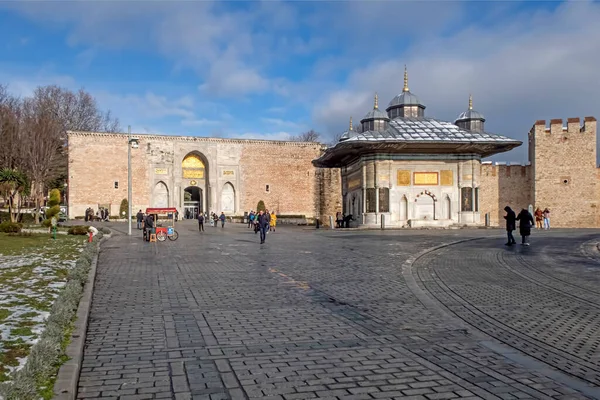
(344, 315)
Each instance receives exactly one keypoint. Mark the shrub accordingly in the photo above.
(47, 223)
(78, 230)
(261, 206)
(124, 208)
(53, 204)
(11, 227)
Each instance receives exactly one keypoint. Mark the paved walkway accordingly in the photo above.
(345, 315)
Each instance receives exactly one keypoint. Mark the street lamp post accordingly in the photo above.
(132, 142)
(129, 180)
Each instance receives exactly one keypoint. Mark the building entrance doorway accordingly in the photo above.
(192, 202)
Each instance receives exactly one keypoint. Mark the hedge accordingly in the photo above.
(36, 379)
(10, 227)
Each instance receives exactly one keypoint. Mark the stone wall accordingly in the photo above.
(94, 167)
(504, 185)
(98, 160)
(330, 193)
(564, 164)
(287, 169)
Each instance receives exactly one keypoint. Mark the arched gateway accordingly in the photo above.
(194, 185)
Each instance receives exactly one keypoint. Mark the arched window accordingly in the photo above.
(228, 198)
(160, 195)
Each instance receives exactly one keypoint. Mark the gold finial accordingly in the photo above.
(376, 102)
(350, 123)
(405, 80)
(470, 102)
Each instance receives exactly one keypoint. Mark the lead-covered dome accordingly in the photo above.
(406, 104)
(471, 119)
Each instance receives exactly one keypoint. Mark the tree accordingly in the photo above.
(260, 206)
(53, 204)
(13, 184)
(33, 133)
(310, 136)
(124, 208)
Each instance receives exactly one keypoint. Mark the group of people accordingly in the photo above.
(542, 218)
(526, 222)
(214, 220)
(263, 222)
(102, 214)
(342, 220)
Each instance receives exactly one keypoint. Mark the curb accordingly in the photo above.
(65, 387)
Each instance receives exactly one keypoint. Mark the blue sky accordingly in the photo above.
(272, 69)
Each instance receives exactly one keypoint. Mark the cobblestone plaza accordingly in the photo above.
(412, 314)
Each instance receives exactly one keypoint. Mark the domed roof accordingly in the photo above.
(406, 98)
(349, 133)
(376, 113)
(470, 114)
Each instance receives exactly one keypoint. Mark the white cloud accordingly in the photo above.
(534, 66)
(199, 122)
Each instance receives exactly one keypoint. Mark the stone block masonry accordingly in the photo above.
(565, 171)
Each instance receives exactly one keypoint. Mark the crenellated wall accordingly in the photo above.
(563, 159)
(504, 185)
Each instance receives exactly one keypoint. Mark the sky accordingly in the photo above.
(271, 69)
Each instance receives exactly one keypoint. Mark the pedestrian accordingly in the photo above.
(525, 222)
(251, 219)
(539, 218)
(511, 222)
(273, 222)
(140, 218)
(268, 214)
(222, 218)
(263, 225)
(546, 215)
(201, 222)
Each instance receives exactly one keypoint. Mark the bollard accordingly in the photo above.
(318, 226)
(487, 219)
(331, 222)
(382, 221)
(54, 233)
(90, 237)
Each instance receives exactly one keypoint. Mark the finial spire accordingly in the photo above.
(470, 102)
(405, 79)
(350, 124)
(376, 106)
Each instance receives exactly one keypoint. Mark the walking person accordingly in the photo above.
(539, 218)
(139, 217)
(525, 222)
(251, 218)
(546, 215)
(222, 218)
(511, 222)
(263, 225)
(273, 222)
(201, 222)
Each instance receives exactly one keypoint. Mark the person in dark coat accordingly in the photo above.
(511, 223)
(201, 222)
(140, 218)
(525, 223)
(263, 225)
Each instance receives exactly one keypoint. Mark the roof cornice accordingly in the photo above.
(169, 138)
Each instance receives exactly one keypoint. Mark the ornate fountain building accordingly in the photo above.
(410, 170)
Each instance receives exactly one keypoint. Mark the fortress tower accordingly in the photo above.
(565, 172)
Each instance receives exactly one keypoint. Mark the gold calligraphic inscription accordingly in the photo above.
(192, 161)
(446, 178)
(193, 173)
(160, 171)
(425, 178)
(228, 173)
(403, 178)
(467, 177)
(354, 183)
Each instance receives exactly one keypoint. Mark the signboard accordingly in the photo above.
(446, 178)
(228, 172)
(160, 171)
(425, 178)
(193, 173)
(403, 178)
(170, 230)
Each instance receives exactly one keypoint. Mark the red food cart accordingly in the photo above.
(164, 222)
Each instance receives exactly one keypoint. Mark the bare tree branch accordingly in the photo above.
(310, 136)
